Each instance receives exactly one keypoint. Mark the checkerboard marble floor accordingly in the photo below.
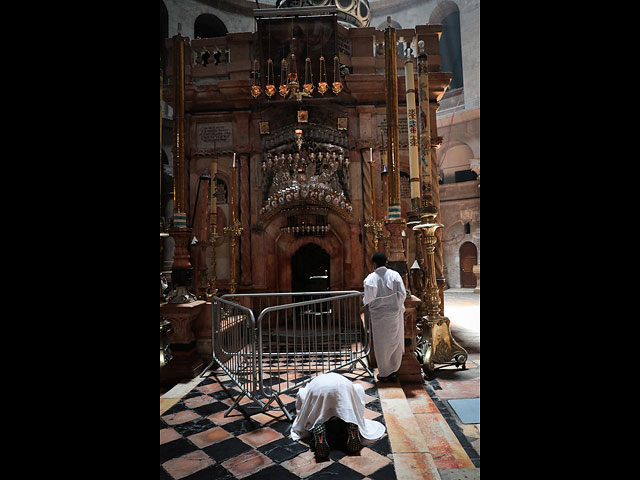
(198, 442)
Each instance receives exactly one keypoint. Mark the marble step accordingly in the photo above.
(419, 452)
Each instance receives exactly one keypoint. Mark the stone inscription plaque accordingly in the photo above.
(402, 125)
(209, 135)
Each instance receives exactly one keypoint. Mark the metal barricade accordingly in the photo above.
(272, 343)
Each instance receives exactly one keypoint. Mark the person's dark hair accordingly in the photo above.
(379, 259)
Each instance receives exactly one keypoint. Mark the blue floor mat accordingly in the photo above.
(467, 409)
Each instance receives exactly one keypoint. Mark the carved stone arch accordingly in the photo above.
(456, 156)
(442, 11)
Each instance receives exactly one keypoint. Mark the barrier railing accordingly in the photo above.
(272, 343)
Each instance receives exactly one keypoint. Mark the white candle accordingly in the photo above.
(234, 160)
(371, 154)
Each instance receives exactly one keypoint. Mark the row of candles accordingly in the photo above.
(306, 229)
(333, 159)
(289, 83)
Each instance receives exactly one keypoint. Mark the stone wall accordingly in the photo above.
(459, 204)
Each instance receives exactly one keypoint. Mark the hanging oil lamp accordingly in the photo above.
(337, 86)
(292, 75)
(308, 77)
(322, 84)
(270, 88)
(255, 89)
(284, 86)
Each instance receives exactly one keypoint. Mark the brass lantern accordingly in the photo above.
(337, 85)
(255, 89)
(322, 84)
(270, 88)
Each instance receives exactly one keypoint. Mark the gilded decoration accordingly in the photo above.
(351, 13)
(311, 168)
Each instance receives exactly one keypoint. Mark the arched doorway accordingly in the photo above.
(310, 269)
(468, 258)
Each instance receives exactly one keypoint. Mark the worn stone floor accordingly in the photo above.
(425, 438)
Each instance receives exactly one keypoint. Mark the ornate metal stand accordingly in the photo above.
(373, 226)
(435, 342)
(234, 229)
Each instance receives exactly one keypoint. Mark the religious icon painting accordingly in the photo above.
(303, 116)
(343, 123)
(264, 128)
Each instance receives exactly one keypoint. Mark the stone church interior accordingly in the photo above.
(297, 138)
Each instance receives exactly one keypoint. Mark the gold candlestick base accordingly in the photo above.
(435, 343)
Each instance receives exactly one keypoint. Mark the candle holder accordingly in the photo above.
(270, 88)
(435, 343)
(373, 226)
(322, 84)
(255, 89)
(308, 77)
(284, 85)
(234, 229)
(337, 85)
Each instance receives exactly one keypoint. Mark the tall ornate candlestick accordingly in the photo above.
(412, 130)
(373, 226)
(391, 83)
(234, 230)
(425, 123)
(181, 233)
(395, 224)
(213, 225)
(423, 117)
(435, 342)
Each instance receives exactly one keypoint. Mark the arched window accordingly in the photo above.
(207, 26)
(455, 163)
(448, 14)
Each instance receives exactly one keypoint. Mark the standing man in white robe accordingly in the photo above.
(384, 292)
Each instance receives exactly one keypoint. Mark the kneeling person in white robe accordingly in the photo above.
(384, 292)
(330, 396)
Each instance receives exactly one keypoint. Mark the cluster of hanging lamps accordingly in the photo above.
(289, 82)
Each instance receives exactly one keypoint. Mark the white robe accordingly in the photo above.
(332, 395)
(384, 292)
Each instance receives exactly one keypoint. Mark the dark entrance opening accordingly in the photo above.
(468, 258)
(310, 269)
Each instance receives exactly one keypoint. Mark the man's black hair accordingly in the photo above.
(379, 259)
